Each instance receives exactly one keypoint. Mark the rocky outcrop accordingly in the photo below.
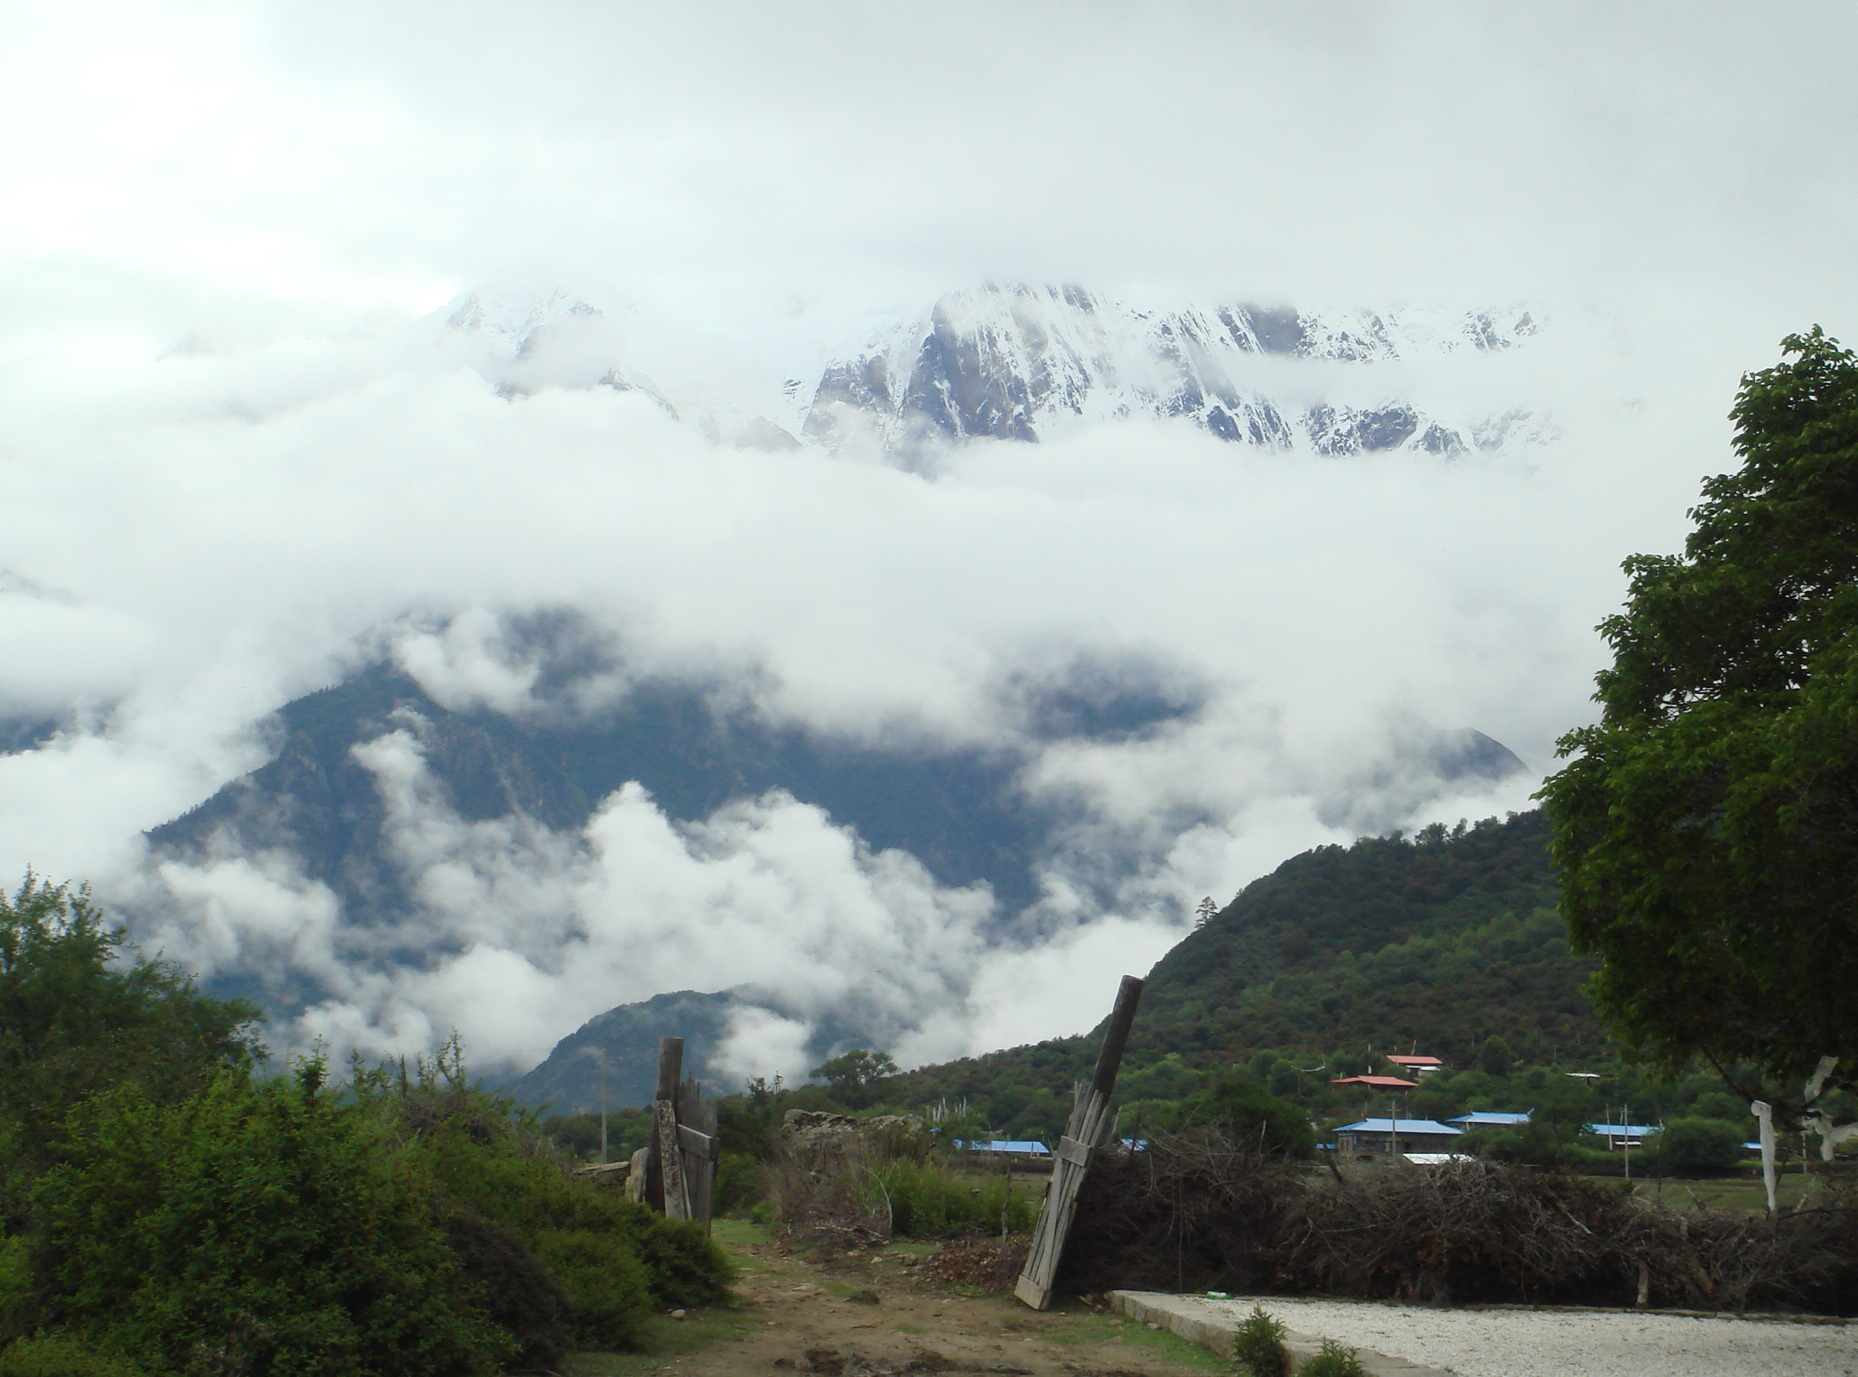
(1017, 362)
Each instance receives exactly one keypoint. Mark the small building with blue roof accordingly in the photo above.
(1395, 1135)
(1622, 1135)
(1010, 1147)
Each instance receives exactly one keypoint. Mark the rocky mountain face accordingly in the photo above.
(569, 1081)
(956, 810)
(1023, 362)
(1018, 362)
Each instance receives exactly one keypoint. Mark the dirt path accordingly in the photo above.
(872, 1315)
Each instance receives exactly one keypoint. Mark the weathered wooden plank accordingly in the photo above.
(670, 1071)
(671, 1162)
(1074, 1152)
(1083, 1133)
(696, 1136)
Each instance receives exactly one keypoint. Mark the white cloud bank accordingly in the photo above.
(232, 452)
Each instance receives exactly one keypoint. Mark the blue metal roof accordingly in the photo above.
(1025, 1146)
(1432, 1126)
(1622, 1130)
(1489, 1116)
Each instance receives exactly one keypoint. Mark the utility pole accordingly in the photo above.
(603, 1106)
(1627, 1115)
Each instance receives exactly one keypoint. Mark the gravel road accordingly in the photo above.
(1540, 1343)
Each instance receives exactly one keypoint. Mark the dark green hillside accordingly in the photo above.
(1443, 940)
(1439, 941)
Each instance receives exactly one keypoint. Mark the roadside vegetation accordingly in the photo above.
(170, 1208)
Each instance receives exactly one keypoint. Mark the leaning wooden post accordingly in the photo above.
(1089, 1117)
(664, 1180)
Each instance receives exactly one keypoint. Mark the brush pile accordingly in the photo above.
(992, 1264)
(1194, 1212)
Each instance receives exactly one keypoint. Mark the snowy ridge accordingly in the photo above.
(1009, 363)
(1021, 362)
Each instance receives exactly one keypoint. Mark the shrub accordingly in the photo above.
(520, 1294)
(605, 1283)
(1333, 1360)
(1700, 1145)
(533, 1198)
(1258, 1346)
(256, 1224)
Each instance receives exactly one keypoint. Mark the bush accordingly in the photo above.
(1333, 1360)
(1700, 1145)
(534, 1199)
(520, 1294)
(1258, 1346)
(605, 1283)
(255, 1224)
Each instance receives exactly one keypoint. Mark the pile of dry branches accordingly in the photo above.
(992, 1264)
(1196, 1212)
(827, 1205)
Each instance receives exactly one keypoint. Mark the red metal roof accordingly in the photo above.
(1415, 1061)
(1382, 1082)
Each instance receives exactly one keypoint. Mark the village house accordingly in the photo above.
(1373, 1137)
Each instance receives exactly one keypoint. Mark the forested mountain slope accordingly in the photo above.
(1439, 942)
(1443, 940)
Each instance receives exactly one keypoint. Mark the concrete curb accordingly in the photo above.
(1209, 1324)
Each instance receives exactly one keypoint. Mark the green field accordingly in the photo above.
(1719, 1193)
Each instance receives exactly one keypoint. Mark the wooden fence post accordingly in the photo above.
(1082, 1135)
(670, 1071)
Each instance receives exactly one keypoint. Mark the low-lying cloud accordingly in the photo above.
(1290, 631)
(242, 458)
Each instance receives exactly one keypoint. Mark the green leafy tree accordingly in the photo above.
(76, 1018)
(1494, 1058)
(1707, 824)
(1250, 1116)
(1695, 1144)
(852, 1077)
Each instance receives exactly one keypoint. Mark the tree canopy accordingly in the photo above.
(1707, 824)
(75, 1016)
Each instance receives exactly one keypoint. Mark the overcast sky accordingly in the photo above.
(233, 444)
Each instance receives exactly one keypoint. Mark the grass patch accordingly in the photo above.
(1716, 1193)
(929, 1200)
(736, 1237)
(907, 1248)
(1083, 1327)
(741, 1233)
(665, 1338)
